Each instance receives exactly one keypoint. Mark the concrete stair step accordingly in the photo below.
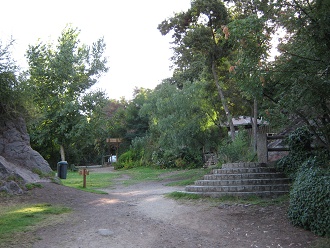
(243, 165)
(244, 170)
(241, 188)
(265, 194)
(241, 176)
(263, 181)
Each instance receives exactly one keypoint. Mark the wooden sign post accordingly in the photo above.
(84, 173)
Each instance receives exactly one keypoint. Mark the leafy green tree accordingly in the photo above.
(10, 93)
(198, 48)
(136, 125)
(115, 113)
(250, 36)
(300, 86)
(58, 78)
(182, 123)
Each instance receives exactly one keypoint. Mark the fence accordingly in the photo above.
(263, 147)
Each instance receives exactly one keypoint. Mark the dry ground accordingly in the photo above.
(140, 216)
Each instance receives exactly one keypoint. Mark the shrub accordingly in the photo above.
(238, 150)
(299, 143)
(127, 160)
(180, 158)
(310, 198)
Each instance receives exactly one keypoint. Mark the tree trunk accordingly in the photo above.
(62, 152)
(223, 101)
(255, 124)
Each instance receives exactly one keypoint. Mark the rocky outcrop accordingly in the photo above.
(19, 163)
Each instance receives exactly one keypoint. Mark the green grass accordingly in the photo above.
(251, 200)
(94, 181)
(30, 186)
(23, 218)
(143, 174)
(187, 177)
(183, 196)
(181, 177)
(321, 243)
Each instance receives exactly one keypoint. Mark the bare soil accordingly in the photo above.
(141, 216)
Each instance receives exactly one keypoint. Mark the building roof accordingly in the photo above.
(246, 121)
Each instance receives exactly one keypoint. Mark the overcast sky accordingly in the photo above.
(138, 54)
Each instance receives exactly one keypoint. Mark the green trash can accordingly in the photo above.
(62, 168)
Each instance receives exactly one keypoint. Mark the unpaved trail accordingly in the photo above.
(140, 216)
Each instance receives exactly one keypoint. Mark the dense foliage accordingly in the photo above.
(239, 150)
(10, 93)
(299, 142)
(310, 197)
(67, 119)
(310, 194)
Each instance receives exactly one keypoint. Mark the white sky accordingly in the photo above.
(138, 55)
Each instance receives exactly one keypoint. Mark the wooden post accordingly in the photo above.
(84, 173)
(262, 149)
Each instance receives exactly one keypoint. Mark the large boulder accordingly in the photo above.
(19, 163)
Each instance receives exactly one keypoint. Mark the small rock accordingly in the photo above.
(105, 232)
(223, 206)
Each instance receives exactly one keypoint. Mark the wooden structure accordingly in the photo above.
(263, 147)
(114, 144)
(84, 173)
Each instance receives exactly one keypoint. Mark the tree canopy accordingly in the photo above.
(10, 99)
(59, 76)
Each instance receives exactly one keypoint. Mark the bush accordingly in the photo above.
(238, 150)
(299, 143)
(128, 160)
(310, 198)
(181, 158)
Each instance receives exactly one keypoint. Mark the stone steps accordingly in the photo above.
(243, 165)
(262, 194)
(240, 188)
(244, 170)
(266, 181)
(242, 179)
(242, 176)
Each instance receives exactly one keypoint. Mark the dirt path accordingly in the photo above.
(140, 216)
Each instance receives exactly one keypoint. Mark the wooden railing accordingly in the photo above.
(263, 148)
(276, 137)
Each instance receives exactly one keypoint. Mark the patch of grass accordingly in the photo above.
(41, 174)
(250, 200)
(94, 181)
(30, 186)
(187, 177)
(321, 243)
(24, 218)
(176, 195)
(142, 174)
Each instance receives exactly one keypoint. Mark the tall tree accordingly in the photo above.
(250, 36)
(198, 47)
(300, 85)
(59, 76)
(182, 122)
